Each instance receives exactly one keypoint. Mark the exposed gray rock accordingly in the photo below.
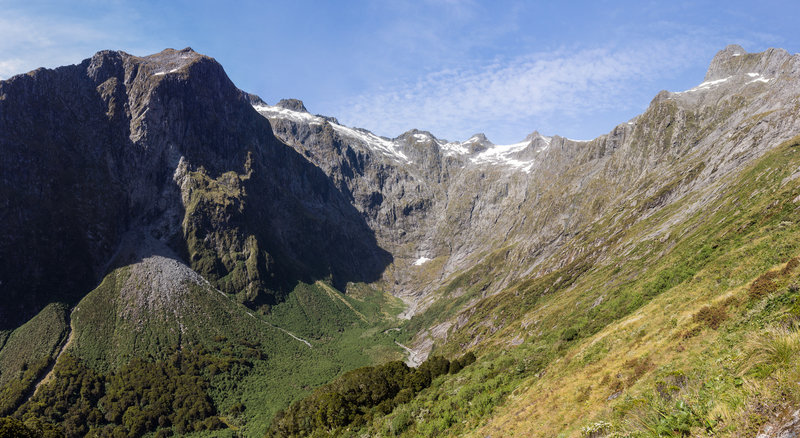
(292, 104)
(442, 207)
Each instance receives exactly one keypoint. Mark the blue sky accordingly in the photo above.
(452, 67)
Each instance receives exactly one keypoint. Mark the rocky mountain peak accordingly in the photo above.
(170, 60)
(734, 60)
(478, 143)
(415, 136)
(292, 104)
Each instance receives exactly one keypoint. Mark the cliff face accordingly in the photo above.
(164, 145)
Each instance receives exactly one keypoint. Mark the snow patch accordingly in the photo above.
(162, 73)
(706, 85)
(373, 141)
(453, 148)
(286, 114)
(501, 154)
(758, 78)
(368, 139)
(421, 261)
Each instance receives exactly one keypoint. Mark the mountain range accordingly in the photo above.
(163, 229)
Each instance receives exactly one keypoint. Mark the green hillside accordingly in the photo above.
(235, 363)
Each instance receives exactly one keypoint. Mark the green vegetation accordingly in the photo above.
(358, 395)
(28, 353)
(140, 397)
(215, 214)
(13, 428)
(205, 363)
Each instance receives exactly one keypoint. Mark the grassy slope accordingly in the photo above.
(28, 352)
(39, 338)
(554, 349)
(341, 341)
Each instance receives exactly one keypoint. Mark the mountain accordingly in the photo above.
(142, 192)
(532, 253)
(163, 229)
(442, 207)
(164, 144)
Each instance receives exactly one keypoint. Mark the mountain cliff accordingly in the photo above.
(165, 145)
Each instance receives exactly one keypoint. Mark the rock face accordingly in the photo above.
(164, 145)
(442, 207)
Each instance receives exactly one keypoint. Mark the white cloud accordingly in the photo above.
(454, 103)
(29, 41)
(10, 67)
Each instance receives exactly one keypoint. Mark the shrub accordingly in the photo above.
(793, 263)
(570, 334)
(711, 316)
(596, 430)
(776, 347)
(11, 427)
(763, 285)
(636, 368)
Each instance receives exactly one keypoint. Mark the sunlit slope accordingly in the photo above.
(683, 333)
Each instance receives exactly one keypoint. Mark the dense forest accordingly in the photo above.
(144, 396)
(170, 396)
(355, 397)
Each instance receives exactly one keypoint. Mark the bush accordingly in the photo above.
(570, 334)
(776, 347)
(358, 395)
(763, 285)
(13, 428)
(793, 263)
(711, 316)
(596, 430)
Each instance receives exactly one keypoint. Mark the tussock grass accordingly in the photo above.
(775, 347)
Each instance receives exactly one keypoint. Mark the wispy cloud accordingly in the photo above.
(511, 93)
(29, 40)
